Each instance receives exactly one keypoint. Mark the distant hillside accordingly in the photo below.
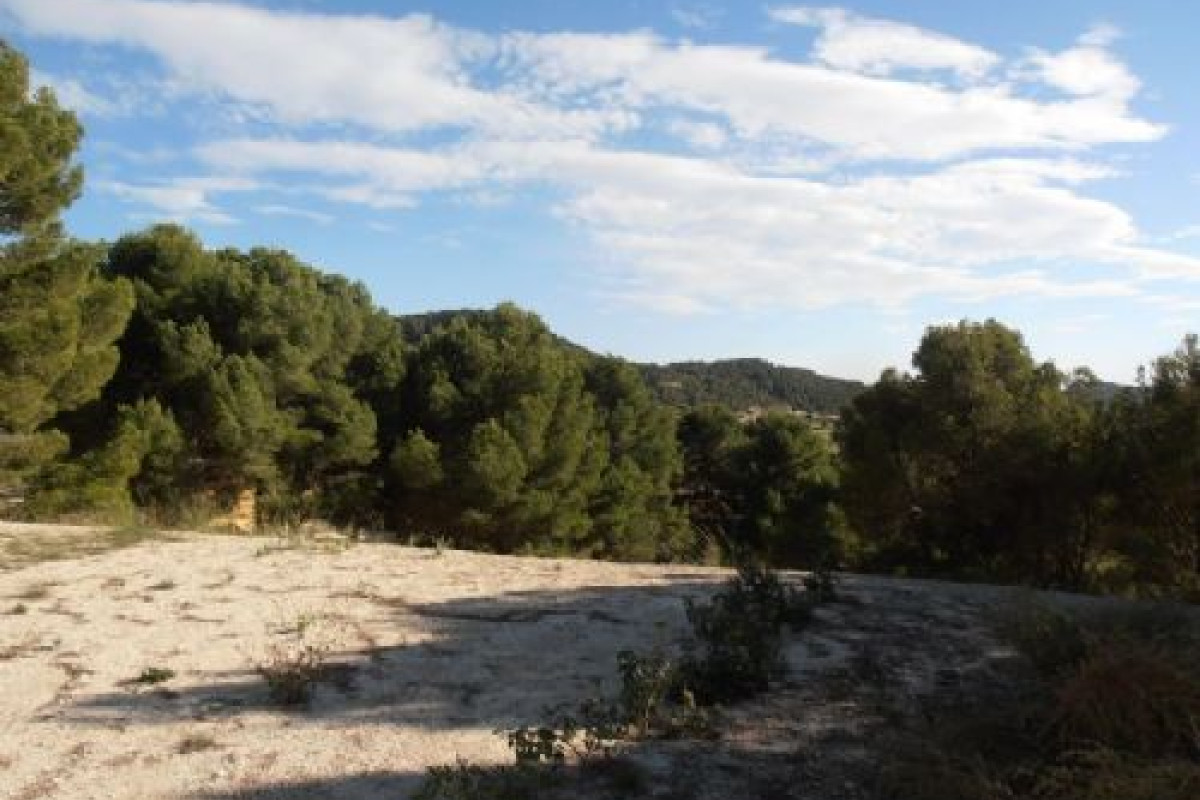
(738, 383)
(741, 383)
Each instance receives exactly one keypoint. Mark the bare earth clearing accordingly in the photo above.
(435, 651)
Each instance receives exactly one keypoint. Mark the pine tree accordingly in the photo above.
(59, 318)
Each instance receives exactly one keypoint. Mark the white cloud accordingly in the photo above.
(72, 94)
(894, 163)
(701, 135)
(181, 200)
(694, 234)
(880, 47)
(696, 16)
(280, 210)
(1088, 70)
(404, 73)
(860, 116)
(414, 73)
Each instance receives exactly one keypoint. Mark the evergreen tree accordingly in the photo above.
(500, 448)
(783, 481)
(973, 466)
(263, 365)
(1159, 461)
(58, 317)
(763, 489)
(633, 511)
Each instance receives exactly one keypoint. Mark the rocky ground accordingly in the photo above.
(134, 672)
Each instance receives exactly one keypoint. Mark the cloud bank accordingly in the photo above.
(890, 163)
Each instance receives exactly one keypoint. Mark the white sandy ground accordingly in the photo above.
(439, 650)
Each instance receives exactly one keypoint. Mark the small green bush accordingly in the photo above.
(465, 781)
(293, 665)
(739, 636)
(153, 675)
(292, 672)
(1054, 642)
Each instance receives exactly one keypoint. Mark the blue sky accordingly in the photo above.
(670, 180)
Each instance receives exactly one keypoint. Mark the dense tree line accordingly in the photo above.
(153, 376)
(986, 464)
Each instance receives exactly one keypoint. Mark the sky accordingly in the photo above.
(669, 180)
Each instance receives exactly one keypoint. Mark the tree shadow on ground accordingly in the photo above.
(524, 658)
(491, 662)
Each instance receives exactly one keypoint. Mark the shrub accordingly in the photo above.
(195, 743)
(1053, 641)
(740, 636)
(294, 665)
(1114, 716)
(464, 781)
(153, 675)
(646, 681)
(1101, 774)
(1133, 698)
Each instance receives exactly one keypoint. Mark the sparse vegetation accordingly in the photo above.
(465, 781)
(297, 659)
(154, 675)
(1113, 714)
(196, 743)
(26, 644)
(739, 636)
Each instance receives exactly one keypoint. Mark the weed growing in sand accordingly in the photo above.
(35, 591)
(294, 662)
(26, 644)
(196, 743)
(154, 675)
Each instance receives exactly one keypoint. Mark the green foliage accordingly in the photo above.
(980, 465)
(58, 317)
(515, 442)
(294, 664)
(153, 675)
(501, 407)
(1157, 453)
(1123, 680)
(740, 636)
(632, 510)
(464, 781)
(96, 485)
(765, 489)
(257, 360)
(37, 142)
(646, 681)
(1116, 716)
(785, 479)
(744, 383)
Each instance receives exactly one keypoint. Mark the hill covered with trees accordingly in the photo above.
(744, 383)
